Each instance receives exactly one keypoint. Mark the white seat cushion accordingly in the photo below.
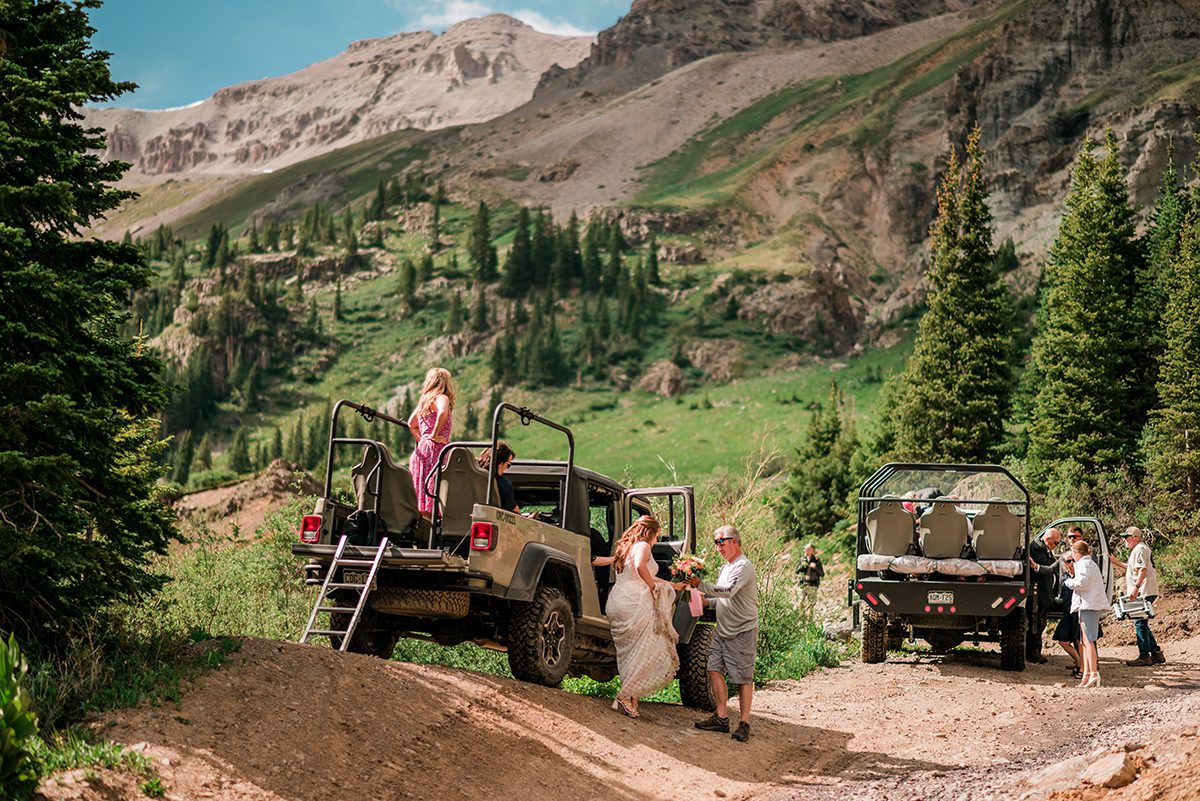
(871, 562)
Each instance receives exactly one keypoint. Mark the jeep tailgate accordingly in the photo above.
(432, 558)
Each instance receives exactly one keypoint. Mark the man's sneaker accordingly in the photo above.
(713, 723)
(743, 732)
(1141, 661)
(1158, 658)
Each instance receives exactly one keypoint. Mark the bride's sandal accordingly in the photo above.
(620, 706)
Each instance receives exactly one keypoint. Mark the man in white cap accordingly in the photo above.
(1141, 581)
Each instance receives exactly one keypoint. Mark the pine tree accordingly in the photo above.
(1162, 242)
(454, 315)
(238, 457)
(957, 388)
(479, 311)
(202, 459)
(493, 401)
(379, 204)
(255, 245)
(276, 451)
(480, 249)
(1171, 446)
(407, 290)
(591, 267)
(471, 424)
(80, 515)
(337, 297)
(516, 279)
(652, 276)
(1086, 337)
(815, 494)
(181, 462)
(542, 247)
(615, 266)
(425, 271)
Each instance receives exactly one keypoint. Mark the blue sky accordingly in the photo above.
(181, 51)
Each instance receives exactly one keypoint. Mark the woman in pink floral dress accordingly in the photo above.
(430, 427)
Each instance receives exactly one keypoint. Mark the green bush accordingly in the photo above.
(18, 724)
(1179, 565)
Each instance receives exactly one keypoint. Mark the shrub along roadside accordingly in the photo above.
(18, 724)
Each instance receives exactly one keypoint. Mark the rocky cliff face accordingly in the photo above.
(657, 36)
(476, 70)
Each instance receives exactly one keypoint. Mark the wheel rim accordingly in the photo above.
(553, 635)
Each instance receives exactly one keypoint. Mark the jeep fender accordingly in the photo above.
(537, 561)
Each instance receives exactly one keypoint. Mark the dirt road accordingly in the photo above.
(286, 721)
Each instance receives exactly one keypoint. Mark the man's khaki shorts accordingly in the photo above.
(734, 656)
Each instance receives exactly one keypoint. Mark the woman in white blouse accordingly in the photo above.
(1089, 601)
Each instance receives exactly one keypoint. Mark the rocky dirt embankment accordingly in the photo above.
(286, 721)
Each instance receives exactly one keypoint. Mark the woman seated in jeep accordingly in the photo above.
(504, 459)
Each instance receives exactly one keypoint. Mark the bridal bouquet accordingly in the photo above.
(687, 567)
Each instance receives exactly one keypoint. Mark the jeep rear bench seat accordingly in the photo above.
(943, 532)
(997, 533)
(463, 484)
(397, 497)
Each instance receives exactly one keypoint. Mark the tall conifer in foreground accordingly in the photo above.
(1087, 332)
(955, 392)
(1162, 241)
(79, 512)
(1172, 442)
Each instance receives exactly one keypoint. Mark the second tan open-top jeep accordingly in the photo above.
(521, 583)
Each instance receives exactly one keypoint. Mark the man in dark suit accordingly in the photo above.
(1044, 565)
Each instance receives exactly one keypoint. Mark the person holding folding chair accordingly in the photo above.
(1141, 581)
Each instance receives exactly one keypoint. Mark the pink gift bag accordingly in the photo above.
(696, 602)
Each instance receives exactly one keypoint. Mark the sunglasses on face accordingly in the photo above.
(1069, 561)
(722, 540)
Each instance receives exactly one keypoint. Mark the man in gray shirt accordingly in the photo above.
(735, 595)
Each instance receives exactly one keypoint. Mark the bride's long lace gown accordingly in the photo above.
(643, 634)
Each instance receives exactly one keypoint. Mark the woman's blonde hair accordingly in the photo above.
(437, 382)
(644, 529)
(1082, 548)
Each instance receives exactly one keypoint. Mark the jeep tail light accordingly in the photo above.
(310, 528)
(483, 536)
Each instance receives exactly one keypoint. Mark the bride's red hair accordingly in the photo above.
(644, 529)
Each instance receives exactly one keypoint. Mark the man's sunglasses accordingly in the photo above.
(723, 540)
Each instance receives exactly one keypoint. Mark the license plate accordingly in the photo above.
(354, 576)
(934, 597)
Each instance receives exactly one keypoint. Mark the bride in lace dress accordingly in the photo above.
(639, 614)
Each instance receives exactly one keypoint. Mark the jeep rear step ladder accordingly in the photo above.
(363, 591)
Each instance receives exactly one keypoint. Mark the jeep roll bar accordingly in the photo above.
(368, 414)
(527, 416)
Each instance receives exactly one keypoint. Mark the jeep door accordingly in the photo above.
(675, 510)
(1095, 536)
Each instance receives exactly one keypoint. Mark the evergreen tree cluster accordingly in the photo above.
(80, 515)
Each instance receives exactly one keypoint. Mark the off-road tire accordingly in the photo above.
(1012, 641)
(694, 690)
(420, 603)
(943, 641)
(874, 636)
(371, 636)
(541, 636)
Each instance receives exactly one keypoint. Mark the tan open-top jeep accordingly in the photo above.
(521, 583)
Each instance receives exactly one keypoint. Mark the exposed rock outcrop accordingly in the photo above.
(476, 70)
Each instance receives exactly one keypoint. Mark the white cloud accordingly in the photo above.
(541, 23)
(445, 13)
(450, 12)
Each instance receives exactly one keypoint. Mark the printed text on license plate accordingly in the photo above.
(354, 576)
(939, 597)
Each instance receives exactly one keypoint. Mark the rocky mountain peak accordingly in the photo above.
(478, 69)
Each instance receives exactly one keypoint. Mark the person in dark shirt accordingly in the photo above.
(812, 571)
(1044, 565)
(504, 460)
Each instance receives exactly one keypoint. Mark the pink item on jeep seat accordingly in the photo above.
(425, 456)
